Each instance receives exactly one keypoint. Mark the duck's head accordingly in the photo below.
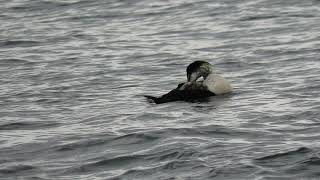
(197, 69)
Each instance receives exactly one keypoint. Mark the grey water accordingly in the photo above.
(73, 75)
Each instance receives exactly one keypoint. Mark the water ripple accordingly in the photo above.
(72, 76)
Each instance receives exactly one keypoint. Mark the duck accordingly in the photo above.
(194, 89)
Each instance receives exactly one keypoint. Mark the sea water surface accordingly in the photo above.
(73, 75)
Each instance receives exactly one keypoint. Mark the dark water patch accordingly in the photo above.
(97, 17)
(14, 61)
(174, 155)
(167, 170)
(214, 14)
(126, 86)
(301, 163)
(29, 125)
(111, 163)
(168, 152)
(201, 131)
(136, 173)
(153, 14)
(183, 164)
(283, 159)
(302, 15)
(17, 169)
(44, 5)
(307, 168)
(19, 43)
(117, 161)
(257, 18)
(22, 172)
(315, 160)
(85, 143)
(49, 100)
(233, 170)
(135, 138)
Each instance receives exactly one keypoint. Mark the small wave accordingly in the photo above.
(22, 171)
(19, 43)
(122, 160)
(48, 101)
(135, 138)
(284, 159)
(27, 125)
(302, 162)
(173, 153)
(142, 172)
(315, 160)
(14, 61)
(205, 131)
(302, 150)
(83, 144)
(41, 5)
(108, 164)
(256, 18)
(309, 167)
(17, 169)
(302, 16)
(108, 16)
(180, 164)
(188, 166)
(181, 6)
(151, 14)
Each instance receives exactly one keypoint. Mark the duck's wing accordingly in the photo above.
(189, 92)
(196, 91)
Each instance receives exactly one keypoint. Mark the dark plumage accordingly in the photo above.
(189, 92)
(196, 67)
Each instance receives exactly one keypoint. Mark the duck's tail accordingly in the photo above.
(151, 99)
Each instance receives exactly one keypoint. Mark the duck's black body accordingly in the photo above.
(189, 92)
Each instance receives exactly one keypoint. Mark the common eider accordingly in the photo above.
(194, 90)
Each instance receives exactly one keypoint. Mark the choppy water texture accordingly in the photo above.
(73, 74)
